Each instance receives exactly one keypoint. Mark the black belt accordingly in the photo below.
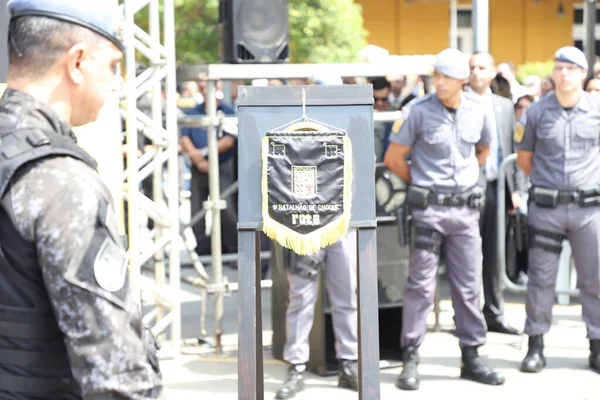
(563, 197)
(450, 199)
(568, 197)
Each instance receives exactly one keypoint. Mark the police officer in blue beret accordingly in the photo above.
(448, 136)
(70, 323)
(558, 146)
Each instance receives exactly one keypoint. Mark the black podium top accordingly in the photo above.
(347, 107)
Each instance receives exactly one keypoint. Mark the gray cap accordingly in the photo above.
(452, 63)
(102, 17)
(571, 55)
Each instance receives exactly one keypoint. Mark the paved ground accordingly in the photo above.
(203, 375)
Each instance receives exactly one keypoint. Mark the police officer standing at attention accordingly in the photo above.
(559, 147)
(340, 269)
(448, 134)
(70, 323)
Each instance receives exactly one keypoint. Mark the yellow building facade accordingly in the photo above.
(520, 30)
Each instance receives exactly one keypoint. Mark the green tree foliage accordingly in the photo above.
(321, 31)
(540, 69)
(326, 31)
(196, 30)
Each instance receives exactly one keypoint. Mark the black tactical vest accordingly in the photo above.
(33, 357)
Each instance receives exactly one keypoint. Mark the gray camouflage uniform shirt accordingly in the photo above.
(56, 203)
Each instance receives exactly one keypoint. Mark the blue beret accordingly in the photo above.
(571, 55)
(101, 16)
(453, 63)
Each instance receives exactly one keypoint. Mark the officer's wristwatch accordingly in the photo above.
(204, 152)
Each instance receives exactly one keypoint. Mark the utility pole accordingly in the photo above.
(589, 45)
(454, 24)
(481, 25)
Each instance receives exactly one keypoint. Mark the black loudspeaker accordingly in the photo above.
(254, 31)
(392, 271)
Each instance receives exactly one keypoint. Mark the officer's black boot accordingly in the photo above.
(477, 369)
(595, 355)
(348, 376)
(409, 377)
(294, 382)
(534, 361)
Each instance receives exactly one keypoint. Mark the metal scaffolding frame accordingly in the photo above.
(157, 46)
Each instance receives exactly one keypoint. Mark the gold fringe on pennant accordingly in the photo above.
(305, 244)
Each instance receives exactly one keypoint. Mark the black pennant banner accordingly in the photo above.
(306, 188)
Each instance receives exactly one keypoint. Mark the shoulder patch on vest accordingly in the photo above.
(110, 266)
(519, 132)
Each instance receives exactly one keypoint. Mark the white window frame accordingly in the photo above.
(465, 34)
(578, 30)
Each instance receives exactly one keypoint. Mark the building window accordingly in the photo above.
(578, 15)
(464, 29)
(579, 45)
(464, 18)
(579, 27)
